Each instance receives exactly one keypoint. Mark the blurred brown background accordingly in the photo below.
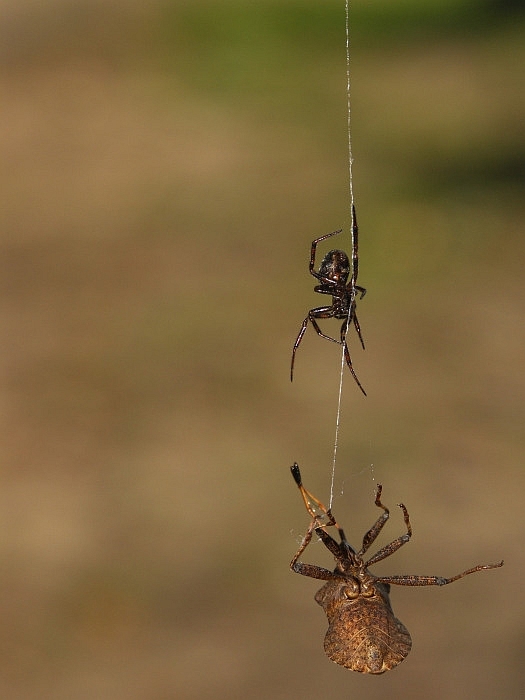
(165, 167)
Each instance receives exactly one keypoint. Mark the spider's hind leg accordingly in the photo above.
(302, 331)
(358, 329)
(319, 312)
(344, 331)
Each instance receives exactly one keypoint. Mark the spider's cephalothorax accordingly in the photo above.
(333, 276)
(363, 633)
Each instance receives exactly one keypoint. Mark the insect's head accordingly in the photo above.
(348, 588)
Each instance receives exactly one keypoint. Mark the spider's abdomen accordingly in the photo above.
(335, 266)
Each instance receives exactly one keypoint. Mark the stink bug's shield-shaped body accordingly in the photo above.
(363, 633)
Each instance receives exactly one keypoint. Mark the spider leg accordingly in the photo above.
(297, 343)
(311, 267)
(353, 316)
(316, 325)
(415, 580)
(344, 330)
(358, 329)
(355, 256)
(319, 312)
(352, 286)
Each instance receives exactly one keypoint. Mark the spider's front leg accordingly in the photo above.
(313, 251)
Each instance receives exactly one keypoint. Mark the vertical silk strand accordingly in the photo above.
(351, 197)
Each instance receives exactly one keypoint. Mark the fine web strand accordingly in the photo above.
(337, 423)
(351, 196)
(349, 129)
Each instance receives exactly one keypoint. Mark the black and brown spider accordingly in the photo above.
(333, 277)
(363, 633)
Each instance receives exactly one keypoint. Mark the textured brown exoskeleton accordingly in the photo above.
(333, 275)
(363, 633)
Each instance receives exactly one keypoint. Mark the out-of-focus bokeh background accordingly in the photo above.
(164, 169)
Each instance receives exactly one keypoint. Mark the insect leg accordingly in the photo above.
(310, 570)
(376, 528)
(389, 549)
(415, 580)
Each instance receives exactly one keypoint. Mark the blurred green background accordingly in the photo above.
(164, 169)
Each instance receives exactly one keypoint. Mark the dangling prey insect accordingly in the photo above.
(363, 633)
